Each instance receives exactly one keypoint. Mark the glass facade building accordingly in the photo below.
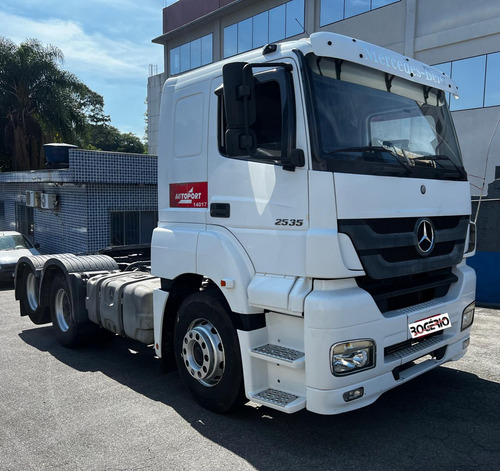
(338, 10)
(275, 24)
(478, 78)
(191, 55)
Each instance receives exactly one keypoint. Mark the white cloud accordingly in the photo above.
(145, 7)
(106, 44)
(85, 53)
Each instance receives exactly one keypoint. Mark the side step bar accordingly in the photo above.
(279, 400)
(281, 355)
(274, 373)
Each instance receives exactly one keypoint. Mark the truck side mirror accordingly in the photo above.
(296, 158)
(239, 104)
(248, 130)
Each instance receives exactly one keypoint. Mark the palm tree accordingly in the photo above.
(40, 102)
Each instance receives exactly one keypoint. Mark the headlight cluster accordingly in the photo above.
(468, 316)
(351, 357)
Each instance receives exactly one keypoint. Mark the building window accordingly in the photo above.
(282, 22)
(276, 28)
(191, 55)
(337, 10)
(24, 220)
(491, 88)
(477, 79)
(132, 227)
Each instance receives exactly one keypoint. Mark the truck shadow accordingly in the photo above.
(6, 285)
(446, 419)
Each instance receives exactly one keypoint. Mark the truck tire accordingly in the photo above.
(30, 297)
(207, 353)
(68, 332)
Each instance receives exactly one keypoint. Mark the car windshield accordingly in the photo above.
(14, 242)
(374, 123)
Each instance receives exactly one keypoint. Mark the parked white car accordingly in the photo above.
(13, 246)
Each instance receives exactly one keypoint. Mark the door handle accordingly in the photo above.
(220, 210)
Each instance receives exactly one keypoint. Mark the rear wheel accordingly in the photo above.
(30, 297)
(32, 290)
(208, 353)
(69, 333)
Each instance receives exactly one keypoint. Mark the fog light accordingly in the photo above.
(351, 357)
(468, 316)
(465, 343)
(354, 394)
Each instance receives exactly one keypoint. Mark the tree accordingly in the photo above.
(108, 138)
(40, 102)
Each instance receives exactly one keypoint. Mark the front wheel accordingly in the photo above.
(207, 352)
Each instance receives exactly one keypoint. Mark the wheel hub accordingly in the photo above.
(62, 310)
(32, 291)
(203, 352)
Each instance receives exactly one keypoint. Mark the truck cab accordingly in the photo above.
(314, 212)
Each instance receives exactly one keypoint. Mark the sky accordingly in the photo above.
(106, 44)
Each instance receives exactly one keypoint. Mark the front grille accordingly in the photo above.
(400, 225)
(387, 247)
(403, 254)
(401, 292)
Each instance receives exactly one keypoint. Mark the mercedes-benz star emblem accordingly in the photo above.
(425, 237)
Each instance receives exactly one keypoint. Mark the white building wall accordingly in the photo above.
(155, 85)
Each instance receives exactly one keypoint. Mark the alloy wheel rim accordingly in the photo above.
(62, 310)
(32, 291)
(203, 353)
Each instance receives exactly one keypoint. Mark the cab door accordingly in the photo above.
(263, 204)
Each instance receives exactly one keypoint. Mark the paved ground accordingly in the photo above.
(106, 408)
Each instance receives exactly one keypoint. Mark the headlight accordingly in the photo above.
(468, 316)
(351, 357)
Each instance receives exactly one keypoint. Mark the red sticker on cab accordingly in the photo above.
(189, 195)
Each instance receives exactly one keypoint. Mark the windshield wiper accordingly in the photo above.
(437, 158)
(375, 149)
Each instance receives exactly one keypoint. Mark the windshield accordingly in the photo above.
(14, 242)
(374, 123)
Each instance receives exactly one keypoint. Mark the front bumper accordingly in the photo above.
(338, 311)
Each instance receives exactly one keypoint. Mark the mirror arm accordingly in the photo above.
(244, 92)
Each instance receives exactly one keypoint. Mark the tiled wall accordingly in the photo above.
(112, 167)
(95, 184)
(11, 194)
(65, 229)
(104, 198)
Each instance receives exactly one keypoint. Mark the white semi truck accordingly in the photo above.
(314, 221)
